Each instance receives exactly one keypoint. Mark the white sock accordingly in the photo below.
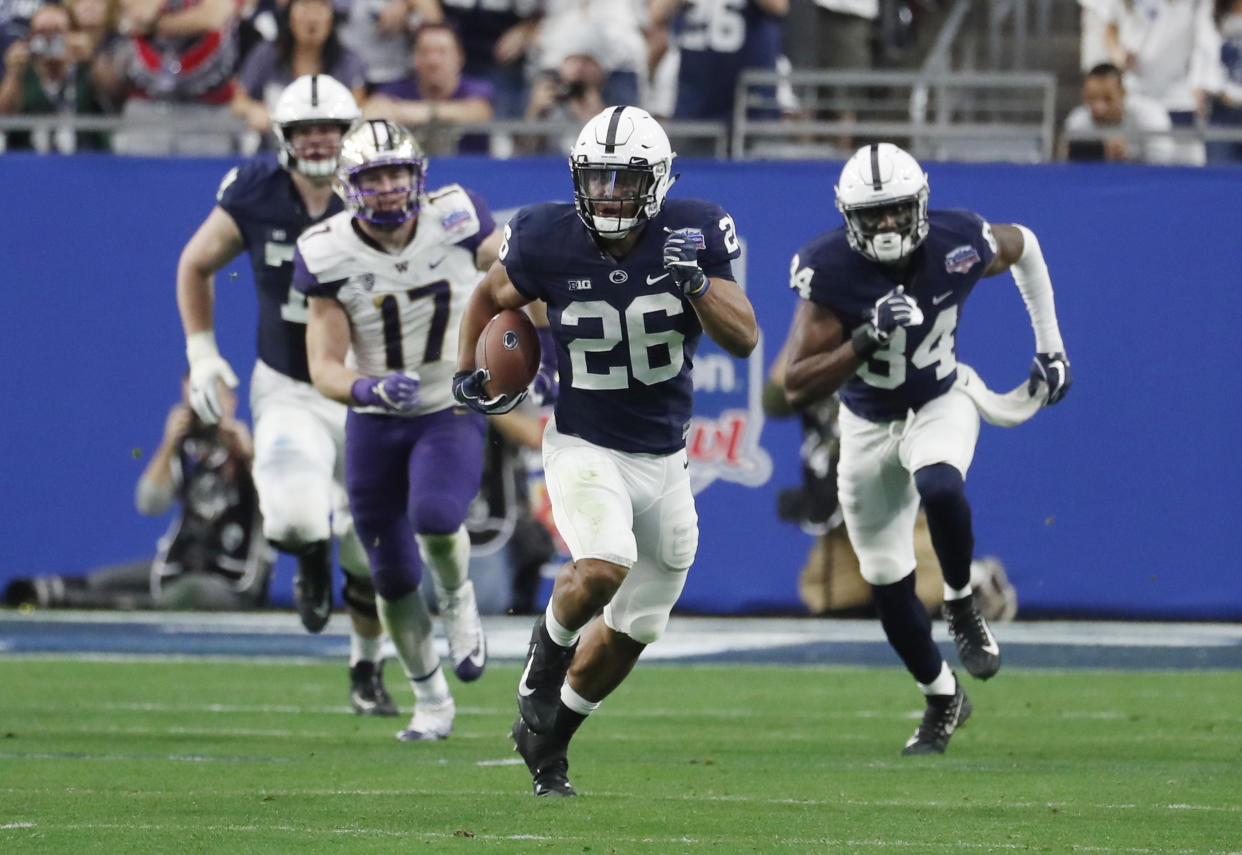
(951, 594)
(945, 684)
(362, 648)
(576, 702)
(560, 635)
(447, 556)
(409, 626)
(432, 689)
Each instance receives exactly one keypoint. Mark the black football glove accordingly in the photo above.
(468, 390)
(1053, 369)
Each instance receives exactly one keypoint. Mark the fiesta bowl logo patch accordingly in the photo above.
(961, 259)
(456, 218)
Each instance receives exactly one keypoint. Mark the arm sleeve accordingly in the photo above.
(1030, 272)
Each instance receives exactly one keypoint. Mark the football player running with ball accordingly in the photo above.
(877, 324)
(299, 435)
(631, 281)
(389, 277)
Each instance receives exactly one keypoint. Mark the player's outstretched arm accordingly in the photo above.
(327, 343)
(494, 293)
(217, 242)
(728, 318)
(1018, 251)
(819, 356)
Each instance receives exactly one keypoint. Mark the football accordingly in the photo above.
(509, 349)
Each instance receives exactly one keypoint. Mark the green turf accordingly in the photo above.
(225, 757)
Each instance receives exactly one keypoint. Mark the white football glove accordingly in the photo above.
(895, 309)
(207, 367)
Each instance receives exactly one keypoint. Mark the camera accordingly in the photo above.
(571, 91)
(52, 47)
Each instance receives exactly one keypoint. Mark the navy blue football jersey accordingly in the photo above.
(718, 40)
(261, 197)
(918, 363)
(625, 334)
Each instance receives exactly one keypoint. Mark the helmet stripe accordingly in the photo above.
(314, 90)
(876, 183)
(610, 141)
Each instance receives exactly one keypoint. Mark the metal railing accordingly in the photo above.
(941, 115)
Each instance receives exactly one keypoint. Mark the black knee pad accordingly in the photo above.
(939, 481)
(359, 595)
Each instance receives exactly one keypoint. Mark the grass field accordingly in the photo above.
(223, 756)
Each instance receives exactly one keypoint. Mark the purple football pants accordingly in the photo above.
(408, 476)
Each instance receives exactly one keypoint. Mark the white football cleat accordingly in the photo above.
(430, 722)
(467, 644)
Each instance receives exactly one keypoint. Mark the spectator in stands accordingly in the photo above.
(306, 43)
(717, 43)
(1227, 109)
(1133, 122)
(610, 30)
(573, 93)
(15, 22)
(178, 70)
(497, 36)
(381, 32)
(830, 34)
(1169, 50)
(214, 555)
(436, 95)
(45, 74)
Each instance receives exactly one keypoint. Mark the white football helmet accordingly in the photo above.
(312, 99)
(882, 193)
(374, 143)
(622, 167)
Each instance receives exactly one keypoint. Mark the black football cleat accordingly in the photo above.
(539, 690)
(944, 714)
(976, 646)
(367, 694)
(312, 586)
(546, 759)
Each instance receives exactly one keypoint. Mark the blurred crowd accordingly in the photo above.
(171, 70)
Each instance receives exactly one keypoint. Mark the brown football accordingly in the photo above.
(509, 349)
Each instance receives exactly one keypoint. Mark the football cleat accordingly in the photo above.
(312, 586)
(944, 714)
(367, 694)
(539, 690)
(467, 644)
(430, 721)
(976, 646)
(546, 759)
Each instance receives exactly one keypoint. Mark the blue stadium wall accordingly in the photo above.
(1122, 501)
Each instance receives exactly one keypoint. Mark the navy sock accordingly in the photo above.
(908, 628)
(943, 493)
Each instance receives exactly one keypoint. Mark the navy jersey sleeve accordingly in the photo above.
(240, 185)
(305, 281)
(977, 246)
(512, 252)
(720, 243)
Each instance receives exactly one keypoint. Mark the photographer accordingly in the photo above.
(573, 93)
(42, 76)
(213, 556)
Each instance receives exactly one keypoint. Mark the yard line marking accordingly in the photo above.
(783, 842)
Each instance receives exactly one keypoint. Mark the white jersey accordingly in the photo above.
(404, 308)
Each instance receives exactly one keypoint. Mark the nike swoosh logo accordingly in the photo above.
(478, 656)
(524, 690)
(936, 301)
(651, 280)
(436, 263)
